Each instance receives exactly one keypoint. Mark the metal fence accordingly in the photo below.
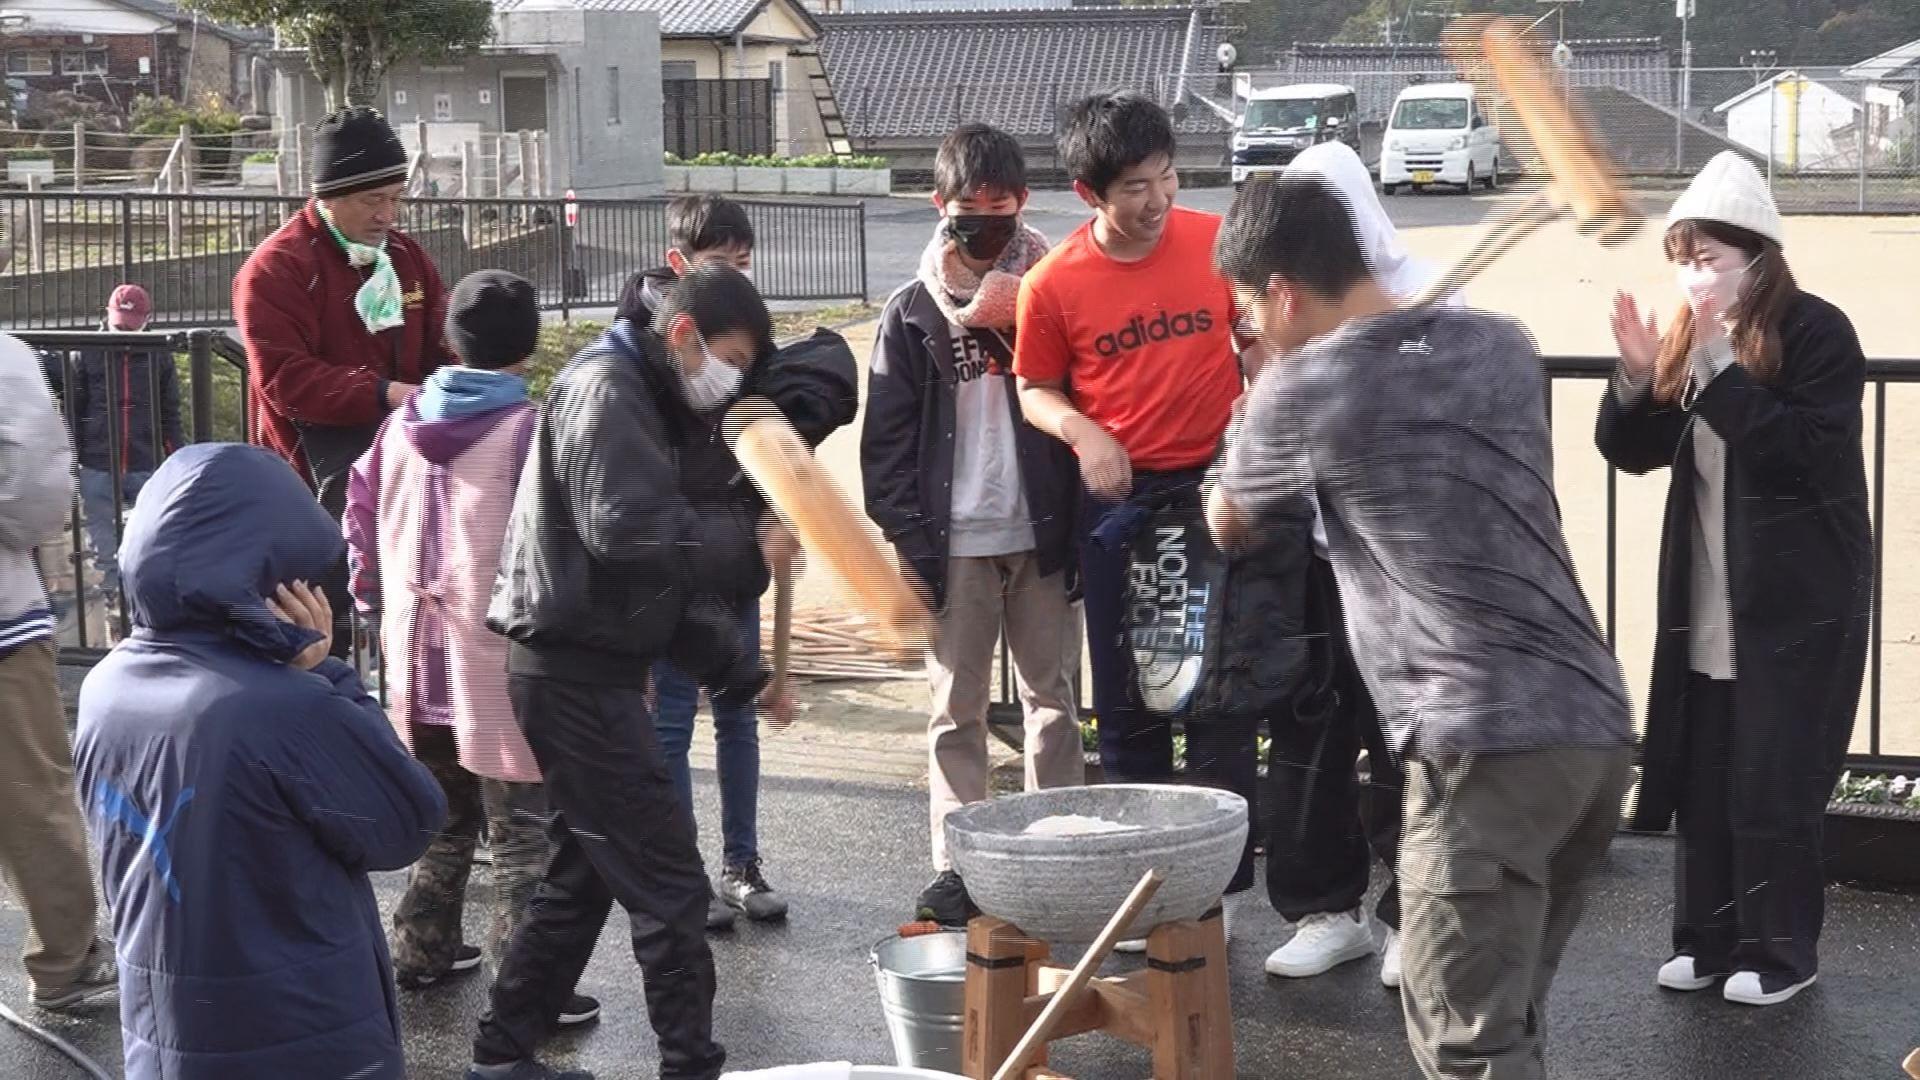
(1828, 142)
(210, 370)
(1878, 751)
(61, 254)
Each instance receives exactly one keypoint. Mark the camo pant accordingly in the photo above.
(427, 924)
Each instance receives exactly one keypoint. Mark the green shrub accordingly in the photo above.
(165, 116)
(31, 153)
(263, 157)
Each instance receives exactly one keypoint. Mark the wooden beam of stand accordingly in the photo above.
(1041, 1032)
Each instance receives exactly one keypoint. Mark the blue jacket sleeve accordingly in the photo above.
(346, 775)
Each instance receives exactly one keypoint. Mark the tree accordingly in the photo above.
(351, 43)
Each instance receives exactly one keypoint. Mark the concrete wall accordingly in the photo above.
(582, 55)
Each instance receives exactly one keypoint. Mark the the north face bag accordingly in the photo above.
(1213, 635)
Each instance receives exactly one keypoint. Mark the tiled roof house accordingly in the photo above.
(904, 79)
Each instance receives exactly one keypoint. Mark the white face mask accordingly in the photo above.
(715, 383)
(1698, 284)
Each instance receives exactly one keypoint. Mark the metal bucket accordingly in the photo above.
(923, 992)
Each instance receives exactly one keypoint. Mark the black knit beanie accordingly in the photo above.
(354, 150)
(493, 319)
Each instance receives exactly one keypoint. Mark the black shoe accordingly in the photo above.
(946, 902)
(746, 891)
(579, 1009)
(465, 958)
(720, 915)
(524, 1070)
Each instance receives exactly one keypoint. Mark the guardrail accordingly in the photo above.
(210, 369)
(1005, 719)
(61, 254)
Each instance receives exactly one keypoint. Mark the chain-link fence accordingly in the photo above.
(1829, 142)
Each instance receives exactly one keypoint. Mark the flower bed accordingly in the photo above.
(819, 174)
(1872, 832)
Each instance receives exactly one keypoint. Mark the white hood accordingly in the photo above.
(1336, 165)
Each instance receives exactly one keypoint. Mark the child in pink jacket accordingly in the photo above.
(427, 510)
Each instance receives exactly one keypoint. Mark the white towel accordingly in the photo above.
(825, 1070)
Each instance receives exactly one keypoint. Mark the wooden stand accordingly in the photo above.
(1177, 1007)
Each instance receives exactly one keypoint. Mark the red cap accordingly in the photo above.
(130, 308)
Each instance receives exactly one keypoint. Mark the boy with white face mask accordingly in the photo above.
(608, 567)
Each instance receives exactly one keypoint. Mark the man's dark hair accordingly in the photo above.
(1105, 135)
(978, 157)
(721, 301)
(697, 223)
(1293, 226)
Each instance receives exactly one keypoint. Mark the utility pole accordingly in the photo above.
(1684, 9)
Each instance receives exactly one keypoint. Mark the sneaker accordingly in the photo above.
(1131, 946)
(1681, 973)
(747, 891)
(1390, 960)
(465, 958)
(579, 1009)
(99, 977)
(1321, 943)
(719, 913)
(945, 901)
(524, 1070)
(1745, 988)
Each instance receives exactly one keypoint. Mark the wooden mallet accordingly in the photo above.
(1495, 54)
(828, 527)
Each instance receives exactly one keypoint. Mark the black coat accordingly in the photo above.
(906, 446)
(604, 553)
(1799, 568)
(119, 424)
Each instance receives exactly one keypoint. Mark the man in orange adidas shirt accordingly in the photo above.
(1124, 349)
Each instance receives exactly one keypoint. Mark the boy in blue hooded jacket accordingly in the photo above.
(239, 785)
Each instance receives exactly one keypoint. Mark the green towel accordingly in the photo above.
(380, 301)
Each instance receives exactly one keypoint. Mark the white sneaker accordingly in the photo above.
(1390, 960)
(1321, 943)
(1680, 974)
(1133, 945)
(1744, 989)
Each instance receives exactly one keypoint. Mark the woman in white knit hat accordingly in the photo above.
(1752, 397)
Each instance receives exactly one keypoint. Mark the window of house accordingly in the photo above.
(613, 95)
(83, 62)
(442, 108)
(679, 70)
(29, 62)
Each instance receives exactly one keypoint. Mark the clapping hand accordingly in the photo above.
(1638, 337)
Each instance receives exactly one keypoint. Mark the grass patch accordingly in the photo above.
(560, 342)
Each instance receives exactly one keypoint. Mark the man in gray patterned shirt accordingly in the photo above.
(1424, 434)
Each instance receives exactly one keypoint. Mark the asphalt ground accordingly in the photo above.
(851, 856)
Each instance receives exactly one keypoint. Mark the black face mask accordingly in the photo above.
(983, 236)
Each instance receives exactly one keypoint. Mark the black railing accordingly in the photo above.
(64, 253)
(1006, 716)
(210, 372)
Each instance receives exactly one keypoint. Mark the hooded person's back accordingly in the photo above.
(237, 802)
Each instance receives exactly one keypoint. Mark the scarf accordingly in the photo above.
(380, 301)
(979, 300)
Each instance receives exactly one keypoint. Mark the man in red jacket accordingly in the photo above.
(342, 317)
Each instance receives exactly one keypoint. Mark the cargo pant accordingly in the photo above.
(1495, 861)
(43, 841)
(427, 922)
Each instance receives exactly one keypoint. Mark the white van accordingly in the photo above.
(1437, 134)
(1281, 121)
